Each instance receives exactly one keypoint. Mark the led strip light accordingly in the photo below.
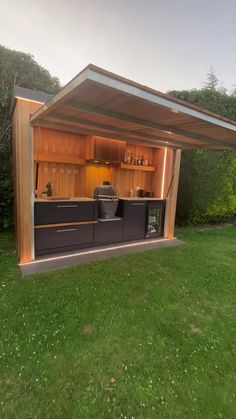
(94, 251)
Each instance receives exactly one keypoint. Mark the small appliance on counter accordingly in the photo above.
(141, 193)
(108, 199)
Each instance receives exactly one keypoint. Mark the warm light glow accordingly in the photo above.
(94, 251)
(163, 174)
(29, 100)
(174, 110)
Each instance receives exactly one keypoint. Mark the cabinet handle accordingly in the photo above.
(138, 203)
(67, 229)
(67, 206)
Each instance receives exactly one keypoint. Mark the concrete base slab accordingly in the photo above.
(65, 260)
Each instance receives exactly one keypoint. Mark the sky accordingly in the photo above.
(164, 44)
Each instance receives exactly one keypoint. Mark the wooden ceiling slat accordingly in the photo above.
(112, 104)
(124, 117)
(81, 129)
(156, 136)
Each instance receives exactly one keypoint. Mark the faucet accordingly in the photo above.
(49, 187)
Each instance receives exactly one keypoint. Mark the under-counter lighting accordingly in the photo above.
(100, 162)
(174, 111)
(167, 132)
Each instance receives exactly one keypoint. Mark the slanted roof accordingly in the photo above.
(28, 94)
(97, 102)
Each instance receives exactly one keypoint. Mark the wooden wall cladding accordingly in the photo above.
(80, 180)
(53, 143)
(125, 180)
(91, 176)
(162, 160)
(65, 179)
(139, 150)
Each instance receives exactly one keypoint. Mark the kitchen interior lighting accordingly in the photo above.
(163, 174)
(167, 132)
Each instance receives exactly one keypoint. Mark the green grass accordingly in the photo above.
(160, 338)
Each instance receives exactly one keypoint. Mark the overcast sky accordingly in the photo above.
(165, 44)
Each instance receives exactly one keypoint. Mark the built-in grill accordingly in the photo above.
(108, 198)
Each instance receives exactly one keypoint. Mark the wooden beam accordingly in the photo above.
(171, 200)
(143, 122)
(128, 138)
(23, 184)
(119, 131)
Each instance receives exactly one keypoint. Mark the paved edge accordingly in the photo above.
(66, 260)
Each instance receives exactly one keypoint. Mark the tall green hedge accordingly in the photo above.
(207, 190)
(16, 68)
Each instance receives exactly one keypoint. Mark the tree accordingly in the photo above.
(212, 81)
(234, 90)
(16, 68)
(207, 189)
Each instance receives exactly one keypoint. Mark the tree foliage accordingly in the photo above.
(21, 69)
(212, 81)
(207, 191)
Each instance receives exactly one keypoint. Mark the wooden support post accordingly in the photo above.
(169, 228)
(23, 178)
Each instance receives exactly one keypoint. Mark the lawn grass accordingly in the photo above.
(150, 335)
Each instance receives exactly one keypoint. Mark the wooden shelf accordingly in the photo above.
(65, 224)
(58, 159)
(136, 167)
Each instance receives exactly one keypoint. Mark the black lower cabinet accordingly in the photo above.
(106, 232)
(134, 215)
(65, 212)
(62, 239)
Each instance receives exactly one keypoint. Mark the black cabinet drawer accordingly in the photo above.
(60, 238)
(134, 214)
(108, 232)
(64, 212)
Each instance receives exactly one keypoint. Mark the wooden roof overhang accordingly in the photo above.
(97, 102)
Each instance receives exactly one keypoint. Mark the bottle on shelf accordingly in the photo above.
(142, 161)
(135, 159)
(139, 161)
(146, 162)
(132, 158)
(128, 157)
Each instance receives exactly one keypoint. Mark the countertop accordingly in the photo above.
(82, 199)
(85, 199)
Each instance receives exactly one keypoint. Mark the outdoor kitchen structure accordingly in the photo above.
(96, 167)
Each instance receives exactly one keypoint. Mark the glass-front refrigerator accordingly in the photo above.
(155, 218)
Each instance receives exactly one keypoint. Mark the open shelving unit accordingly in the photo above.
(137, 167)
(58, 159)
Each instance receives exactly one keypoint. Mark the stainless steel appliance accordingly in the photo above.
(108, 199)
